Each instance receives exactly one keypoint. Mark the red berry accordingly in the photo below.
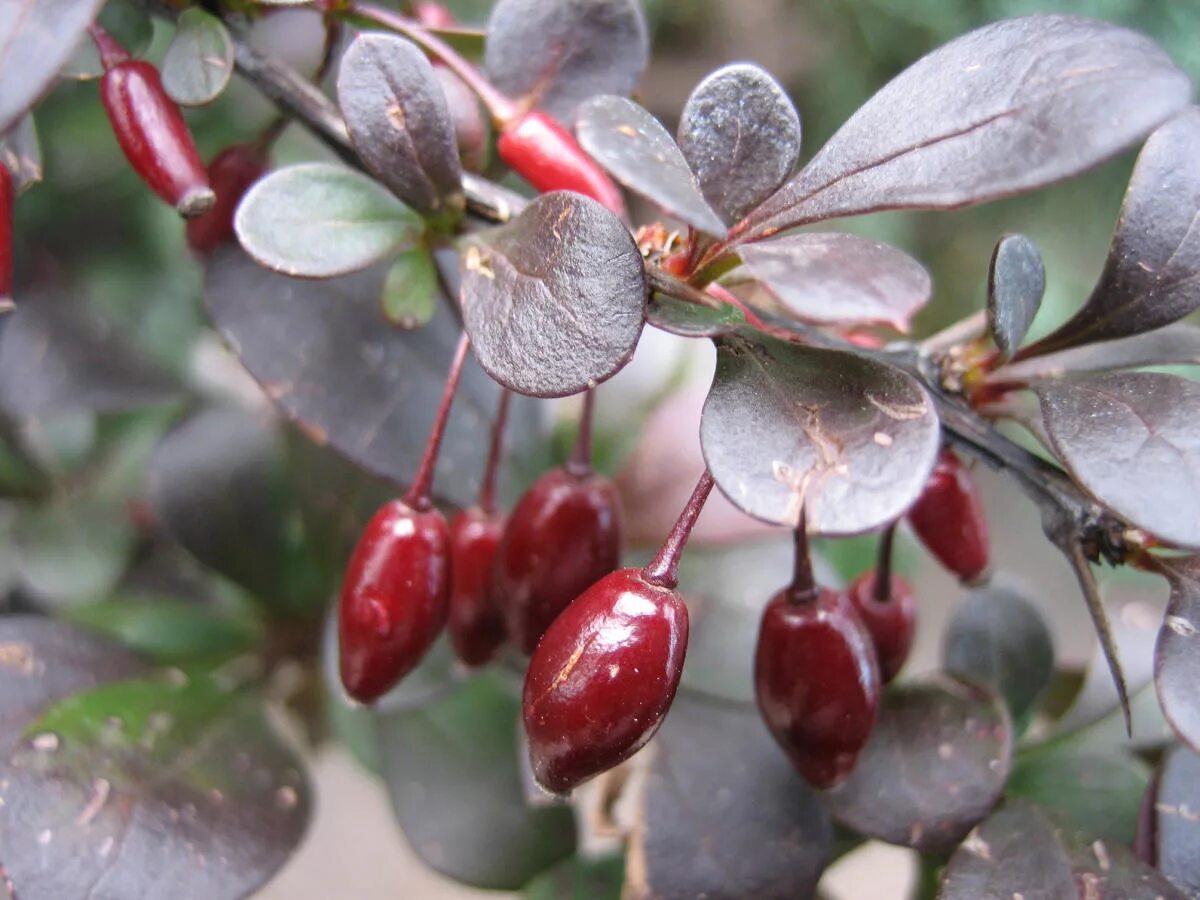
(564, 535)
(394, 597)
(476, 622)
(154, 137)
(948, 518)
(603, 678)
(890, 622)
(545, 154)
(231, 173)
(817, 683)
(7, 192)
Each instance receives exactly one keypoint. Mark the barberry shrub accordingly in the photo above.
(174, 557)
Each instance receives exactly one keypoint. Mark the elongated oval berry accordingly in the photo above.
(7, 194)
(231, 173)
(545, 154)
(394, 598)
(817, 683)
(890, 620)
(948, 517)
(476, 621)
(154, 137)
(563, 535)
(603, 678)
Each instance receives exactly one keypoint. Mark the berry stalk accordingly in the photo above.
(663, 570)
(419, 494)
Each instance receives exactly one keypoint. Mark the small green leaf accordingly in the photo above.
(199, 62)
(318, 220)
(410, 291)
(73, 549)
(1098, 789)
(166, 629)
(580, 878)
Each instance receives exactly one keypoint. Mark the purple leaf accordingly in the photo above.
(1016, 283)
(840, 278)
(1177, 344)
(1130, 440)
(1004, 109)
(1177, 652)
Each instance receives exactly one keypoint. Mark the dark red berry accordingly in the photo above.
(231, 173)
(948, 518)
(890, 619)
(564, 535)
(394, 597)
(7, 194)
(545, 154)
(476, 621)
(470, 126)
(603, 678)
(154, 137)
(817, 683)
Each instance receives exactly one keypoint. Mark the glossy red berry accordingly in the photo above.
(949, 519)
(564, 535)
(154, 137)
(817, 683)
(476, 621)
(231, 173)
(603, 678)
(890, 621)
(7, 194)
(545, 154)
(394, 598)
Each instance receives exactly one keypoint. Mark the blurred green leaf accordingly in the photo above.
(168, 630)
(580, 878)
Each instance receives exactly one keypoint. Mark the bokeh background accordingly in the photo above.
(92, 231)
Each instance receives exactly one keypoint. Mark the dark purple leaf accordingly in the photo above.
(1177, 825)
(1177, 344)
(325, 354)
(36, 38)
(199, 61)
(786, 427)
(43, 661)
(1152, 276)
(157, 789)
(21, 153)
(1016, 282)
(1108, 870)
(1006, 108)
(396, 113)
(1129, 439)
(933, 769)
(741, 135)
(58, 356)
(1015, 852)
(320, 220)
(562, 53)
(1177, 654)
(723, 814)
(693, 319)
(642, 155)
(554, 301)
(998, 638)
(840, 278)
(452, 771)
(217, 483)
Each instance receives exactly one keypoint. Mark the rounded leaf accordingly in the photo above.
(1177, 827)
(410, 293)
(554, 301)
(998, 638)
(688, 319)
(934, 767)
(1130, 440)
(317, 220)
(562, 53)
(787, 427)
(1176, 656)
(641, 154)
(759, 832)
(199, 61)
(840, 278)
(740, 134)
(398, 119)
